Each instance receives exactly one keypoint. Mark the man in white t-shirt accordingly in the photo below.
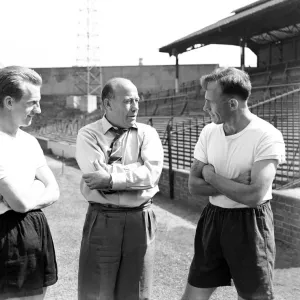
(27, 257)
(235, 162)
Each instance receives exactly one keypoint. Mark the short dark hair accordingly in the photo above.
(108, 91)
(232, 81)
(12, 79)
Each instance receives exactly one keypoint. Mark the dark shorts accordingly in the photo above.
(236, 244)
(27, 257)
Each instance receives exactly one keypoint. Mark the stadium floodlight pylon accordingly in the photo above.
(88, 74)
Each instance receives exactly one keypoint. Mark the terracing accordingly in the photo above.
(180, 119)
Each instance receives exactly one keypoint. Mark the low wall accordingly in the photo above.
(181, 193)
(285, 203)
(286, 209)
(285, 206)
(147, 78)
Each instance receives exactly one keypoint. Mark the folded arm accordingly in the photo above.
(146, 174)
(262, 176)
(51, 192)
(197, 185)
(135, 176)
(43, 191)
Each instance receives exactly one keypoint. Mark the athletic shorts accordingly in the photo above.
(236, 244)
(27, 256)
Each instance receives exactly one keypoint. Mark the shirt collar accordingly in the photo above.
(106, 125)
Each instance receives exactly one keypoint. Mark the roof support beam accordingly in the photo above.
(177, 75)
(243, 44)
(175, 53)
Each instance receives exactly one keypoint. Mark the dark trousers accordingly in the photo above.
(117, 253)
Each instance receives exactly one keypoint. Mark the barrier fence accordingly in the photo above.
(179, 139)
(282, 111)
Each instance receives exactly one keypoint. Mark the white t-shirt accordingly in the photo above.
(235, 154)
(20, 157)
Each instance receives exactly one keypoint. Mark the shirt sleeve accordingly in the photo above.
(3, 170)
(88, 151)
(145, 174)
(200, 152)
(39, 155)
(271, 146)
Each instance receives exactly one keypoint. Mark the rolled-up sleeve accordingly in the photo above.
(200, 151)
(143, 175)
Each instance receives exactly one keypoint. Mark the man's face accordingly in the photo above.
(125, 105)
(24, 110)
(216, 104)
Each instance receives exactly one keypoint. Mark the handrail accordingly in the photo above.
(155, 109)
(252, 106)
(275, 85)
(204, 122)
(166, 98)
(274, 98)
(166, 130)
(192, 126)
(182, 136)
(184, 108)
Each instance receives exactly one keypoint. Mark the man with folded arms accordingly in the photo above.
(122, 161)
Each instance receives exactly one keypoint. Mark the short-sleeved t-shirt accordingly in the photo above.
(235, 154)
(20, 157)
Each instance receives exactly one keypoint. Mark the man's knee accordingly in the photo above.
(194, 293)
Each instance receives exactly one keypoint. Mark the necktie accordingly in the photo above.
(116, 145)
(115, 154)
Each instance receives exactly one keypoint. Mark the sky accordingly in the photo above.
(49, 33)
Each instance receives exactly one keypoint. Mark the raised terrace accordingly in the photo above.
(185, 117)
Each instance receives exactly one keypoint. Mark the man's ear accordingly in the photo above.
(233, 104)
(106, 104)
(8, 102)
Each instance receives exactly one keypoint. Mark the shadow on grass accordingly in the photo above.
(186, 212)
(286, 257)
(174, 252)
(70, 162)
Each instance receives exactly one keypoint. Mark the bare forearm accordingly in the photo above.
(42, 196)
(49, 196)
(199, 187)
(241, 193)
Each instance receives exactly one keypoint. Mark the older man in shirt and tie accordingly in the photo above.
(122, 161)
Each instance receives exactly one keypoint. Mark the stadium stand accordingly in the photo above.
(276, 80)
(178, 117)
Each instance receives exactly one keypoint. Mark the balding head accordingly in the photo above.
(114, 85)
(120, 100)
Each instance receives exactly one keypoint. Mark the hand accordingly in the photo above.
(207, 171)
(244, 178)
(100, 165)
(98, 180)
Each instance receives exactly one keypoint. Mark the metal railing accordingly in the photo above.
(178, 105)
(283, 111)
(167, 106)
(60, 128)
(179, 139)
(185, 87)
